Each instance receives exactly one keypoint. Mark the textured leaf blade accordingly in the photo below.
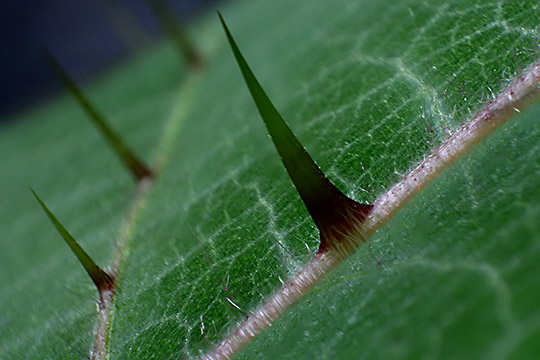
(369, 109)
(369, 88)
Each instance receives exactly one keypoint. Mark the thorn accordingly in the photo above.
(336, 216)
(101, 279)
(173, 27)
(127, 156)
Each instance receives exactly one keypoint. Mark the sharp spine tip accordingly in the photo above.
(337, 216)
(103, 280)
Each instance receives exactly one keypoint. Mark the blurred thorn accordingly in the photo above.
(136, 167)
(173, 27)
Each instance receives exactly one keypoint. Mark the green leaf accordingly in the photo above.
(370, 88)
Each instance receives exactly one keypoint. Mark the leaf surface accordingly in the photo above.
(369, 88)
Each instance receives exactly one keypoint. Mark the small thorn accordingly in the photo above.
(336, 216)
(101, 279)
(173, 27)
(127, 156)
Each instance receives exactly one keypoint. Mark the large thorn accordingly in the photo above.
(336, 216)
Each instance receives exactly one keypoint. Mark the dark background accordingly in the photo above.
(85, 35)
